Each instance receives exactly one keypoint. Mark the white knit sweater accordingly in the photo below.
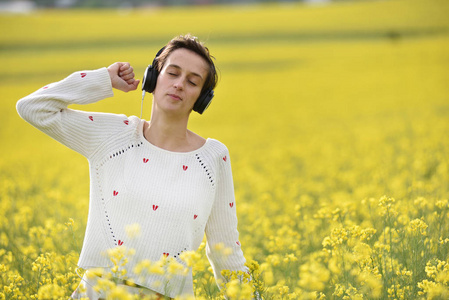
(175, 197)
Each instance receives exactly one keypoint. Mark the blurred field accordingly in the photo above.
(336, 118)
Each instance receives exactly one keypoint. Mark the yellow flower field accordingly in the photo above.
(336, 117)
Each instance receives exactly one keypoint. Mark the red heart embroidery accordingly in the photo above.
(155, 207)
(195, 216)
(91, 118)
(83, 75)
(231, 204)
(166, 254)
(238, 243)
(145, 160)
(45, 87)
(115, 193)
(225, 158)
(126, 122)
(120, 242)
(184, 168)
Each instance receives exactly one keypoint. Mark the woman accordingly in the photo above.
(174, 184)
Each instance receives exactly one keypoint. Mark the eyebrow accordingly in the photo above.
(178, 67)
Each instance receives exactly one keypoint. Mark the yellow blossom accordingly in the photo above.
(418, 226)
(133, 230)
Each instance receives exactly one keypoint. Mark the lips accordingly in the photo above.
(175, 97)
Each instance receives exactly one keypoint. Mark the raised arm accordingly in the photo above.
(46, 109)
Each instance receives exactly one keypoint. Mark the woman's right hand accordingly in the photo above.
(122, 76)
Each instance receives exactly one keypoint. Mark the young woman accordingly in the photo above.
(174, 184)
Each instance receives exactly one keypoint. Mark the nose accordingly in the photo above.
(179, 84)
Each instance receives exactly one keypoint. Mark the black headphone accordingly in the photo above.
(150, 79)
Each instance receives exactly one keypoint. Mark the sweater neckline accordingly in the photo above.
(146, 142)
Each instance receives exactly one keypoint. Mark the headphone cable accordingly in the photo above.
(141, 104)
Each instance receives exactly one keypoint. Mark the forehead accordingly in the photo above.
(188, 61)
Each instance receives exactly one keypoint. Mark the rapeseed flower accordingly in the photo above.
(310, 172)
(133, 231)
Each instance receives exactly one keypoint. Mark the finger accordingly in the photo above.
(124, 66)
(135, 84)
(131, 87)
(130, 81)
(126, 71)
(128, 76)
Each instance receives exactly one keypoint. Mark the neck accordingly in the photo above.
(167, 132)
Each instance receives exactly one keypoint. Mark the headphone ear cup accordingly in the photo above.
(151, 73)
(203, 101)
(150, 79)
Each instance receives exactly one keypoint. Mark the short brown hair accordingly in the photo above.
(191, 43)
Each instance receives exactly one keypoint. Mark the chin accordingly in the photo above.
(174, 110)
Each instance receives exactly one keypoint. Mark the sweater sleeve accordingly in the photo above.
(46, 109)
(221, 228)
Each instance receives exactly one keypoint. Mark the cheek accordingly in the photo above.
(159, 81)
(159, 85)
(196, 91)
(195, 94)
